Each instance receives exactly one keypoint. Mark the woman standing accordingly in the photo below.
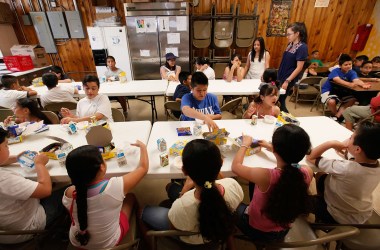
(293, 59)
(257, 60)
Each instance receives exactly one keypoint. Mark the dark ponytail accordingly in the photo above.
(33, 109)
(202, 162)
(83, 164)
(301, 28)
(289, 197)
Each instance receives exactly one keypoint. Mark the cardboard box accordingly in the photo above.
(36, 52)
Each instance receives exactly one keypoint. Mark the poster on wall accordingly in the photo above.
(279, 17)
(321, 3)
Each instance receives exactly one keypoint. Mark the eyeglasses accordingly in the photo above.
(289, 34)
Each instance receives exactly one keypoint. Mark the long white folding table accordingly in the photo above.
(149, 88)
(123, 134)
(319, 128)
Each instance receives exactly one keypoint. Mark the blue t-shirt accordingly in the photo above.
(180, 91)
(348, 77)
(292, 54)
(208, 106)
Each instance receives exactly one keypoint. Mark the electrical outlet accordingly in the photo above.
(53, 3)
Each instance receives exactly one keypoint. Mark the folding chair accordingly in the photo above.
(56, 106)
(170, 107)
(317, 100)
(306, 87)
(302, 234)
(169, 240)
(201, 33)
(245, 32)
(230, 107)
(117, 115)
(53, 117)
(223, 32)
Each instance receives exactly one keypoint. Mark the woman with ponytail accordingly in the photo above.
(99, 208)
(208, 208)
(280, 194)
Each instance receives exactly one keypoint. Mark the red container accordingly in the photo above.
(18, 63)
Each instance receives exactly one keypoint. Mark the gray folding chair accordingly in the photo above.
(229, 108)
(117, 115)
(307, 87)
(53, 117)
(4, 113)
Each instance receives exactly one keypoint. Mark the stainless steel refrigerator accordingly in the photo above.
(153, 29)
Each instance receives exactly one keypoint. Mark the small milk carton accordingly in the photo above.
(161, 145)
(164, 159)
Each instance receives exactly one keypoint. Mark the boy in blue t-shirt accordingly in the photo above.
(344, 75)
(199, 104)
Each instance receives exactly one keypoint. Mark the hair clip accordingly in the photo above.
(273, 83)
(208, 185)
(296, 165)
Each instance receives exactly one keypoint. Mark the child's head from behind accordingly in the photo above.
(199, 85)
(268, 94)
(345, 62)
(360, 59)
(4, 150)
(56, 70)
(202, 161)
(9, 82)
(83, 165)
(365, 140)
(366, 67)
(289, 196)
(184, 78)
(269, 75)
(50, 80)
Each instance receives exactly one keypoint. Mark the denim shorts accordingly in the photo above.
(253, 233)
(156, 217)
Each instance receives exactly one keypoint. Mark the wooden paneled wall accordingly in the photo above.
(331, 30)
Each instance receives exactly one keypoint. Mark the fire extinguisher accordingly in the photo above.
(361, 37)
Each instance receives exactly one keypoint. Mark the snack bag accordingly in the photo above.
(218, 136)
(177, 148)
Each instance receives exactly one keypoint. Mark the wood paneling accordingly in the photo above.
(331, 30)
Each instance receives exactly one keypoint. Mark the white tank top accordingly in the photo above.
(256, 68)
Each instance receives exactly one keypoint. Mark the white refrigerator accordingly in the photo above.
(110, 41)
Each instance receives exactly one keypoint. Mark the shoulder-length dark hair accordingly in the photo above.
(233, 57)
(262, 49)
(289, 197)
(33, 109)
(202, 161)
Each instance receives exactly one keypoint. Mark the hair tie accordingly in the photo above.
(82, 232)
(296, 165)
(208, 185)
(273, 83)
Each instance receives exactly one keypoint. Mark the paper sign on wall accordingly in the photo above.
(174, 38)
(144, 52)
(140, 26)
(321, 3)
(173, 50)
(151, 25)
(163, 23)
(181, 23)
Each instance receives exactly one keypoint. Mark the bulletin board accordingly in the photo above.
(279, 17)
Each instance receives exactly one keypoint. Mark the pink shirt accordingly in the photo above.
(258, 220)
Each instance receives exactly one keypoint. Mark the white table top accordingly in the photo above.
(20, 73)
(130, 131)
(133, 88)
(167, 130)
(222, 87)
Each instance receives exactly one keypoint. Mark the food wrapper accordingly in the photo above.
(253, 149)
(108, 151)
(37, 82)
(184, 131)
(218, 136)
(177, 148)
(53, 150)
(286, 118)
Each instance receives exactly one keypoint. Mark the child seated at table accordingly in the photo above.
(345, 76)
(11, 91)
(358, 62)
(234, 71)
(354, 113)
(315, 58)
(56, 93)
(208, 208)
(94, 104)
(203, 64)
(27, 110)
(170, 71)
(280, 194)
(264, 103)
(366, 74)
(199, 104)
(26, 204)
(62, 78)
(99, 208)
(182, 89)
(345, 190)
(113, 74)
